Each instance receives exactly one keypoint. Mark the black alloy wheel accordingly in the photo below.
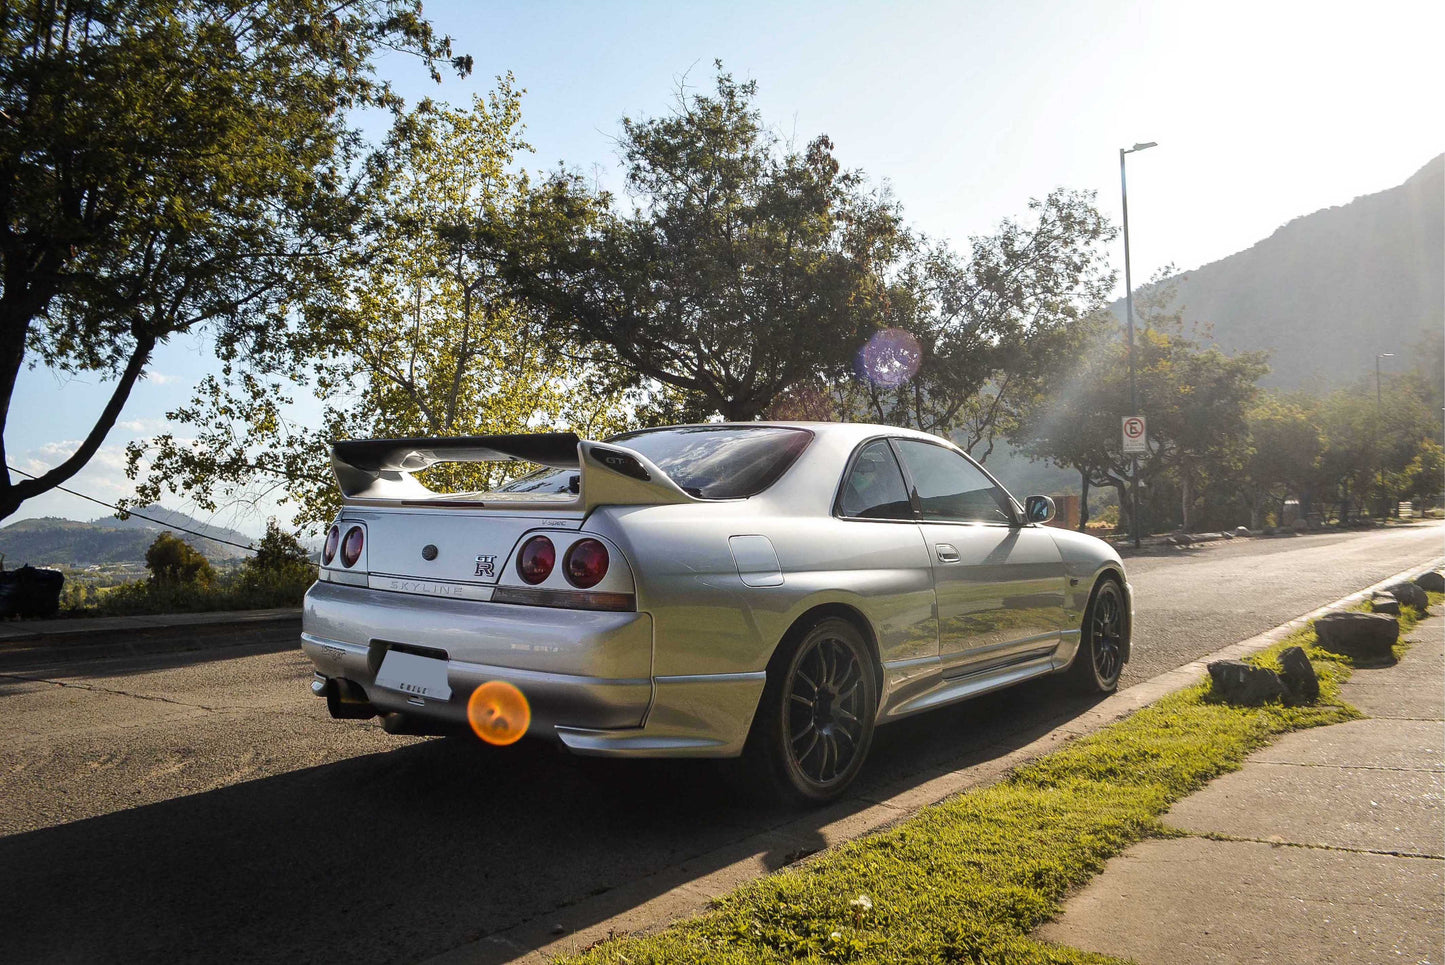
(1101, 650)
(820, 705)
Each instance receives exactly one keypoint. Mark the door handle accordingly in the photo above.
(947, 552)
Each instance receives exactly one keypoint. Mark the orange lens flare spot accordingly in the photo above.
(499, 713)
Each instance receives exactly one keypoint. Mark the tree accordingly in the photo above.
(277, 550)
(745, 268)
(1195, 398)
(995, 330)
(1424, 476)
(174, 562)
(174, 166)
(1284, 450)
(279, 558)
(414, 336)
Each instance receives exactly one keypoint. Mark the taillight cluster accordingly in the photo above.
(350, 547)
(535, 562)
(584, 565)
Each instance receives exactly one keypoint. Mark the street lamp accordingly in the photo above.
(1129, 313)
(1380, 474)
(1386, 355)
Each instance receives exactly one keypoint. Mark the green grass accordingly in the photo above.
(967, 880)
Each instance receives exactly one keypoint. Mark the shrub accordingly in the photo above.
(174, 562)
(280, 564)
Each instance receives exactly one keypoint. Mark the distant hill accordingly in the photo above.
(49, 540)
(1330, 290)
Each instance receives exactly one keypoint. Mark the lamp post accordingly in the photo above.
(1380, 473)
(1129, 313)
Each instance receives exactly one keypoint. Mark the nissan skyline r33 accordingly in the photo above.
(774, 590)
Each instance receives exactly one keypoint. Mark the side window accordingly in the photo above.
(875, 488)
(952, 488)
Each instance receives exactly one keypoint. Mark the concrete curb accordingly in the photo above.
(677, 894)
(63, 641)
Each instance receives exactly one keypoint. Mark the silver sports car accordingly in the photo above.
(773, 589)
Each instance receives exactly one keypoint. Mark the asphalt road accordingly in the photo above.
(194, 807)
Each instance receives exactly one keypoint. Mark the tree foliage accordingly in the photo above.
(173, 166)
(992, 330)
(1194, 396)
(280, 560)
(174, 562)
(415, 335)
(745, 267)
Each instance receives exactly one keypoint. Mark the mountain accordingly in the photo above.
(49, 540)
(1330, 290)
(158, 518)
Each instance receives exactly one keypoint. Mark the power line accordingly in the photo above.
(131, 512)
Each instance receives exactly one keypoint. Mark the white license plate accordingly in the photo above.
(411, 674)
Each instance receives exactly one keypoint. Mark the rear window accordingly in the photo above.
(709, 462)
(720, 462)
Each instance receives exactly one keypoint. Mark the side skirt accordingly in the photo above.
(954, 689)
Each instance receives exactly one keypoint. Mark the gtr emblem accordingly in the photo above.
(485, 567)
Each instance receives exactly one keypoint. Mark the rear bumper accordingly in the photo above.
(555, 699)
(586, 674)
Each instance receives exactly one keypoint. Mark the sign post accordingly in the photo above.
(1136, 442)
(1136, 435)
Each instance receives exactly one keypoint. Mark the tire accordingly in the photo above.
(1103, 641)
(816, 718)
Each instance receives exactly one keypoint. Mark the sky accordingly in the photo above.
(1262, 111)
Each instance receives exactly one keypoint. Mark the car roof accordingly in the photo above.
(840, 431)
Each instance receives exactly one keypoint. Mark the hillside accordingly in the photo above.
(49, 540)
(1330, 290)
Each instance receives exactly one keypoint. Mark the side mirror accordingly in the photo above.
(1038, 509)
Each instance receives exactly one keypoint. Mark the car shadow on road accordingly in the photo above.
(403, 855)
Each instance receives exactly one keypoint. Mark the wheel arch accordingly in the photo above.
(822, 611)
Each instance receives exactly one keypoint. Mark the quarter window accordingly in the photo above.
(952, 488)
(875, 488)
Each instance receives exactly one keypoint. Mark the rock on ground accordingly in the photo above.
(1370, 636)
(1431, 582)
(1385, 603)
(1409, 595)
(1237, 682)
(1301, 683)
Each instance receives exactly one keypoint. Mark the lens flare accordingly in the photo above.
(890, 358)
(499, 713)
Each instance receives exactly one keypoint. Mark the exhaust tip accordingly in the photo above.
(347, 701)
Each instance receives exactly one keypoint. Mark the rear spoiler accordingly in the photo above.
(379, 471)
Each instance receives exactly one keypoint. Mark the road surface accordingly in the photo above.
(203, 807)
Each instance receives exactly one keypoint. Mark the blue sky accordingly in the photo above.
(1263, 112)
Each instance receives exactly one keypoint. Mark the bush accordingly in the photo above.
(174, 562)
(280, 563)
(183, 581)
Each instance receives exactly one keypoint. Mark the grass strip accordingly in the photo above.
(968, 880)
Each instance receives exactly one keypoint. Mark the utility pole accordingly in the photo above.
(1379, 413)
(1129, 313)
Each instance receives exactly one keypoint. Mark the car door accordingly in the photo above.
(999, 583)
(875, 521)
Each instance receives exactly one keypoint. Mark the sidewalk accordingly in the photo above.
(1328, 846)
(23, 642)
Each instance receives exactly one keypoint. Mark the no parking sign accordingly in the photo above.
(1136, 435)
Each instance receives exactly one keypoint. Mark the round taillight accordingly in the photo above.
(585, 564)
(333, 539)
(351, 546)
(535, 562)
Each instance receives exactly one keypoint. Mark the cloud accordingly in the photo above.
(160, 378)
(103, 478)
